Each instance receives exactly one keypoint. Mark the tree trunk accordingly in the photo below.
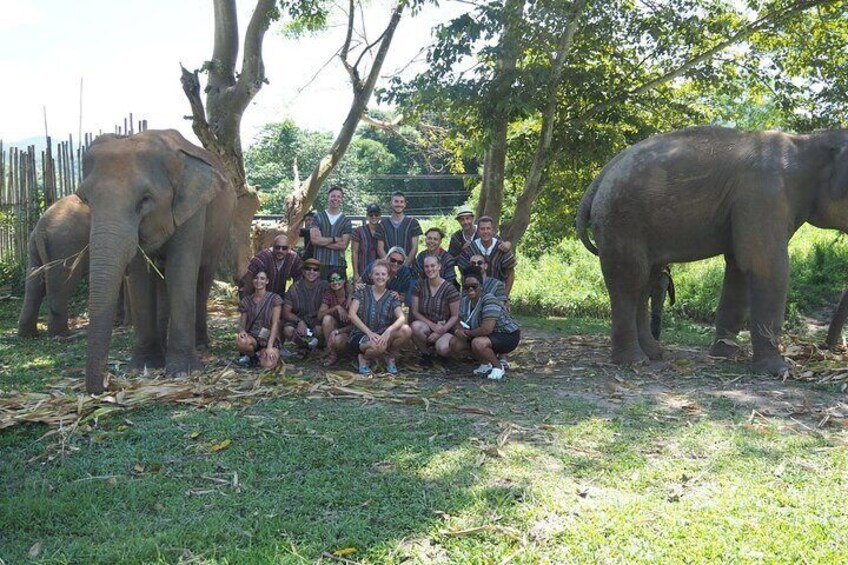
(491, 193)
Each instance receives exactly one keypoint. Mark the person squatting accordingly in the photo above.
(442, 303)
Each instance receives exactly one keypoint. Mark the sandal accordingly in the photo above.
(391, 367)
(364, 366)
(331, 359)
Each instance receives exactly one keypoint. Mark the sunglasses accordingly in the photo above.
(472, 286)
(336, 279)
(311, 269)
(396, 261)
(477, 263)
(281, 247)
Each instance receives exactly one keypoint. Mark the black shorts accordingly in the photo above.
(504, 342)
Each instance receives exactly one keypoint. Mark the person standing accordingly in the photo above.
(279, 262)
(398, 230)
(308, 251)
(501, 263)
(363, 244)
(330, 233)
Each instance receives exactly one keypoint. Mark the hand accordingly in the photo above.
(433, 337)
(375, 338)
(462, 332)
(359, 285)
(301, 328)
(387, 335)
(504, 246)
(396, 294)
(270, 354)
(343, 317)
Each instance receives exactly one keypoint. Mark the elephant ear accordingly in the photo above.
(199, 181)
(839, 178)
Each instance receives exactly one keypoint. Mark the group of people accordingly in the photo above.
(311, 300)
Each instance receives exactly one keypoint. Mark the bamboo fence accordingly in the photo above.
(30, 183)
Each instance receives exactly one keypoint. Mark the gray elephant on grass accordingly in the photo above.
(57, 258)
(155, 199)
(707, 191)
(834, 331)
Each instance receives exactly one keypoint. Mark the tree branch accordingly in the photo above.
(345, 51)
(752, 28)
(252, 68)
(191, 88)
(225, 49)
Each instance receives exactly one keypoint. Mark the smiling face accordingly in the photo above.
(336, 281)
(310, 273)
(260, 281)
(379, 276)
(485, 230)
(433, 240)
(395, 262)
(334, 199)
(398, 204)
(478, 261)
(431, 267)
(281, 247)
(466, 221)
(374, 218)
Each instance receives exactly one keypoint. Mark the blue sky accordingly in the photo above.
(128, 52)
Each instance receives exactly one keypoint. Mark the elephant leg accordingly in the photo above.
(61, 283)
(34, 290)
(162, 315)
(732, 310)
(834, 332)
(148, 348)
(181, 279)
(201, 328)
(659, 288)
(647, 341)
(767, 295)
(626, 281)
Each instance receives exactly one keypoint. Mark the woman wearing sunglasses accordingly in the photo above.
(259, 326)
(379, 323)
(434, 311)
(300, 309)
(486, 328)
(333, 313)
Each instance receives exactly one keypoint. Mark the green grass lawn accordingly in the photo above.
(570, 460)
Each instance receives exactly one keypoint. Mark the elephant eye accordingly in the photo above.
(145, 203)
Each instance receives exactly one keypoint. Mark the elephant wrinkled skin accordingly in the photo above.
(705, 191)
(156, 192)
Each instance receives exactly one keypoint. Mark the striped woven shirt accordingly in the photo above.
(367, 252)
(305, 301)
(486, 308)
(331, 257)
(436, 306)
(378, 315)
(448, 271)
(400, 235)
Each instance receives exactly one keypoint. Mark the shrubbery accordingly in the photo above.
(567, 280)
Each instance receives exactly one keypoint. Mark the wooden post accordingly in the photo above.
(72, 173)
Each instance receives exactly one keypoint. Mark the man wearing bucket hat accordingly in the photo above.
(462, 238)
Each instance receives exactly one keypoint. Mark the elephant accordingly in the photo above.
(705, 191)
(661, 287)
(161, 208)
(57, 258)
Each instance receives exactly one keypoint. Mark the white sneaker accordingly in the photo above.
(496, 374)
(483, 369)
(504, 362)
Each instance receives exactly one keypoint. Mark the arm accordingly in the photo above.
(416, 315)
(242, 332)
(288, 313)
(354, 319)
(318, 240)
(510, 278)
(323, 310)
(487, 326)
(454, 319)
(400, 320)
(275, 329)
(505, 245)
(413, 252)
(354, 257)
(381, 249)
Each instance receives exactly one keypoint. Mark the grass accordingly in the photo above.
(581, 464)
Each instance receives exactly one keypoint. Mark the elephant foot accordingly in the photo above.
(183, 365)
(773, 365)
(725, 349)
(27, 331)
(629, 356)
(653, 350)
(149, 359)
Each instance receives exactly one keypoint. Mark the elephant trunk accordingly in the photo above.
(110, 250)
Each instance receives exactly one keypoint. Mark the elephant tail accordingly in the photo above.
(583, 219)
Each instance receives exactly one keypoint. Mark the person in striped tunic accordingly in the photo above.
(330, 233)
(380, 325)
(434, 311)
(398, 230)
(363, 244)
(333, 313)
(486, 328)
(491, 285)
(501, 263)
(279, 262)
(433, 248)
(301, 305)
(401, 277)
(259, 325)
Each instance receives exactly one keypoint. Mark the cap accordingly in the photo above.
(464, 211)
(373, 208)
(312, 262)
